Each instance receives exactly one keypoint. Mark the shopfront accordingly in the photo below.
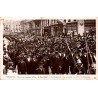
(47, 31)
(71, 27)
(57, 29)
(89, 25)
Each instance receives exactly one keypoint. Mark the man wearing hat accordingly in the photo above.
(65, 66)
(84, 61)
(71, 62)
(55, 63)
(28, 61)
(22, 69)
(40, 69)
(34, 64)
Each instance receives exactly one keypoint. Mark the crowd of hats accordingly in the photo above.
(37, 45)
(24, 45)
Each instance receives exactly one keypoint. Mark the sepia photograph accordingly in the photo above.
(49, 47)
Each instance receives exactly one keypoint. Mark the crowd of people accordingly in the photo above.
(31, 54)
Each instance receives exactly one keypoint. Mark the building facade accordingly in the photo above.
(12, 27)
(53, 27)
(80, 26)
(48, 27)
(39, 27)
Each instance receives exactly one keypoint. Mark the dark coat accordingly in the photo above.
(46, 63)
(28, 64)
(22, 69)
(55, 65)
(34, 66)
(65, 66)
(70, 60)
(84, 61)
(56, 61)
(90, 59)
(71, 63)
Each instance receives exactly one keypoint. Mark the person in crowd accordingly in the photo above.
(65, 66)
(22, 69)
(85, 62)
(56, 63)
(40, 70)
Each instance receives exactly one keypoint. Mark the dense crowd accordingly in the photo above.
(51, 54)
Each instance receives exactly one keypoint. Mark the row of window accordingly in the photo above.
(11, 25)
(45, 23)
(48, 22)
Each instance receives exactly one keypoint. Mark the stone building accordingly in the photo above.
(80, 26)
(42, 27)
(53, 27)
(12, 26)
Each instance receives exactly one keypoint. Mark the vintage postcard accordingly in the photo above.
(48, 48)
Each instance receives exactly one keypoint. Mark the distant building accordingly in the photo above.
(80, 26)
(12, 27)
(39, 27)
(42, 27)
(54, 27)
